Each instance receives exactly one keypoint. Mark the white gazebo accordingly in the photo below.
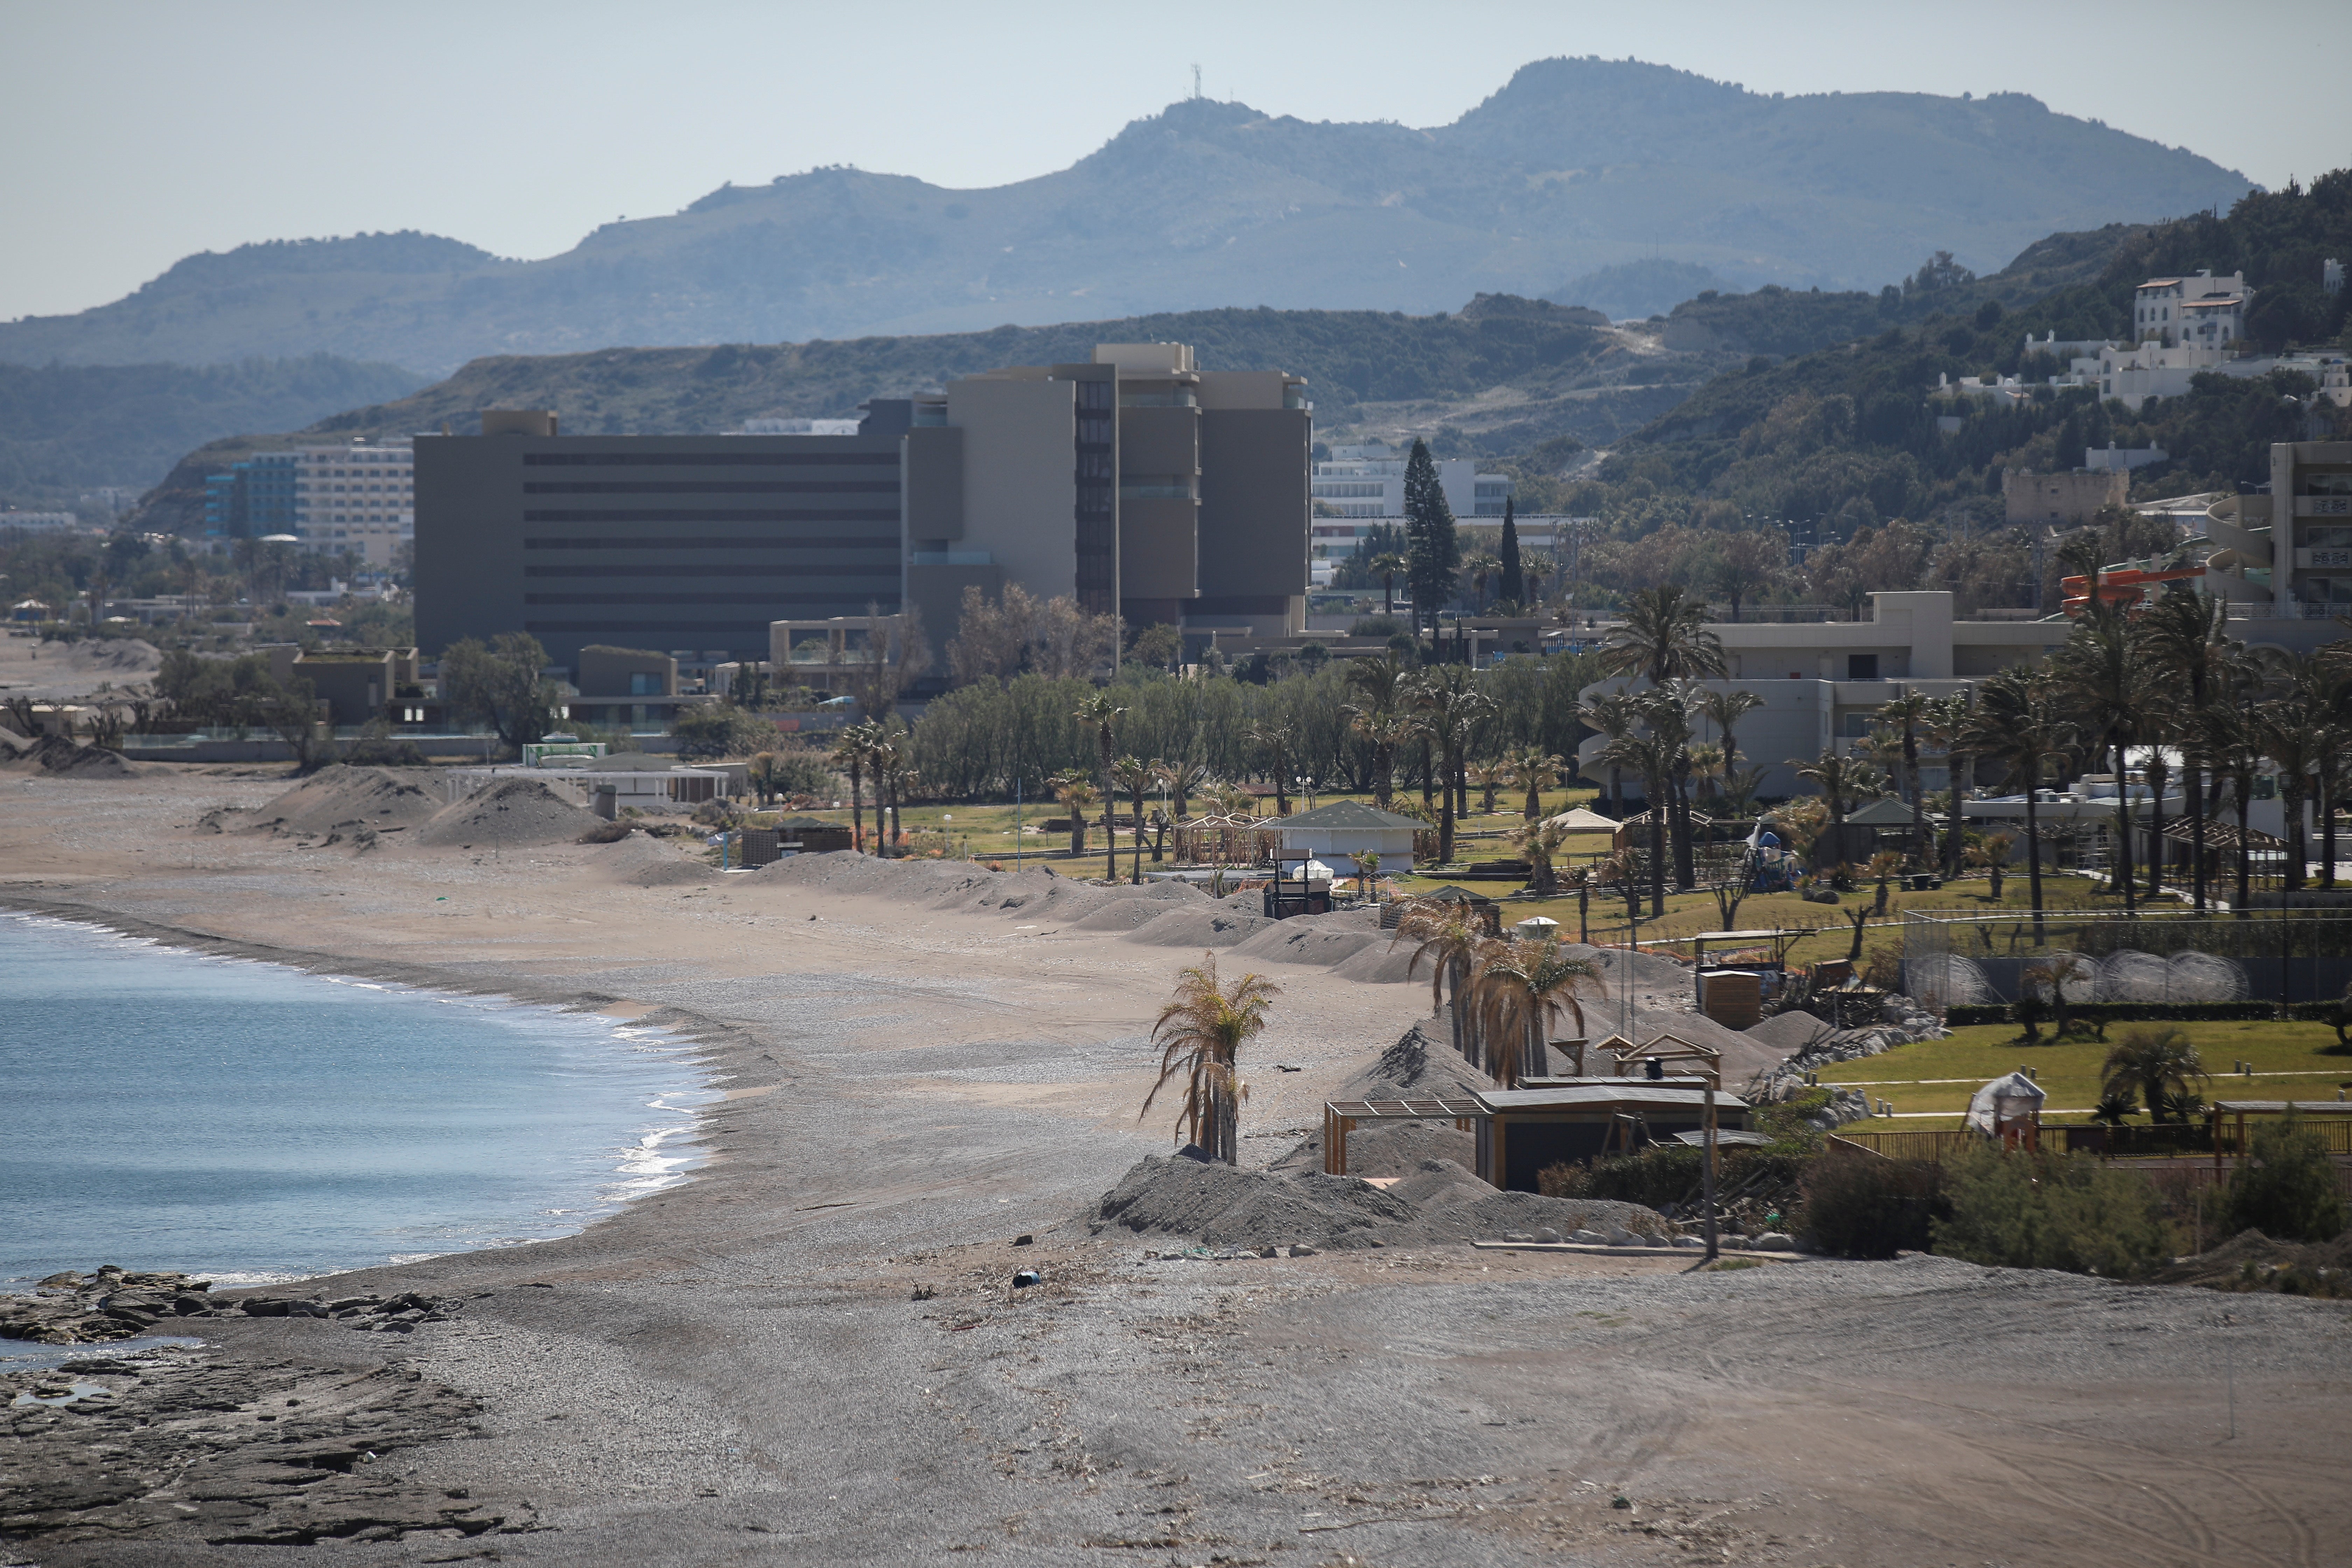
(1337, 833)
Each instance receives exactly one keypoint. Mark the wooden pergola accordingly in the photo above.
(1225, 841)
(1340, 1116)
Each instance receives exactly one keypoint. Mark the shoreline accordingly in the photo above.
(812, 1351)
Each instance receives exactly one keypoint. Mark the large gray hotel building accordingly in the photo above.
(1136, 484)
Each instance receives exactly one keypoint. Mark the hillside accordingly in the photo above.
(1578, 170)
(66, 429)
(1846, 436)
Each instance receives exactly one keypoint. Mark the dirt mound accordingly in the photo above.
(1421, 1063)
(1461, 1213)
(12, 745)
(1209, 926)
(511, 815)
(1435, 1183)
(1789, 1033)
(56, 754)
(345, 797)
(638, 861)
(1303, 941)
(1139, 907)
(2252, 1261)
(1384, 962)
(1219, 1205)
(1401, 1148)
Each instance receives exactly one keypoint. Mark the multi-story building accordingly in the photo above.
(1367, 481)
(40, 521)
(2203, 312)
(2285, 565)
(1136, 484)
(357, 499)
(2068, 498)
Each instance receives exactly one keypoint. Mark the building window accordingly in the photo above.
(1862, 667)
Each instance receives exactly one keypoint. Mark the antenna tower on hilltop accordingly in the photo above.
(1196, 81)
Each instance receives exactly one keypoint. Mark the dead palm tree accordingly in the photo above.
(1201, 1034)
(1541, 843)
(1519, 989)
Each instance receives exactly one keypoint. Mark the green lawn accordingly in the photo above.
(2069, 1073)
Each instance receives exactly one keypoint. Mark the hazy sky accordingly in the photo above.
(132, 134)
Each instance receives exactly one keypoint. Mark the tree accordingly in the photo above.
(2291, 728)
(1909, 712)
(896, 653)
(1991, 853)
(2154, 1062)
(1723, 707)
(1201, 1034)
(2016, 724)
(1489, 777)
(760, 775)
(1450, 706)
(1612, 716)
(1182, 778)
(1483, 569)
(1744, 565)
(1100, 714)
(1540, 842)
(1135, 775)
(1514, 585)
(2289, 1189)
(1386, 566)
(2101, 686)
(1275, 743)
(499, 685)
(1843, 779)
(1663, 638)
(1445, 937)
(291, 712)
(1534, 770)
(1433, 553)
(1075, 795)
(852, 750)
(1948, 723)
(1520, 987)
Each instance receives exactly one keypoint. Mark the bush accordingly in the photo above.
(2289, 1192)
(721, 729)
(1865, 1205)
(1377, 626)
(2101, 1012)
(2018, 1210)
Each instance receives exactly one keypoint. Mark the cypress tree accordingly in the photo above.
(1432, 552)
(1515, 582)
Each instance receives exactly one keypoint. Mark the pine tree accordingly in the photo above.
(1432, 552)
(1515, 582)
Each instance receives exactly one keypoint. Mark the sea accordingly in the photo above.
(251, 1124)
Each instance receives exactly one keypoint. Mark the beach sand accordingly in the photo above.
(812, 1351)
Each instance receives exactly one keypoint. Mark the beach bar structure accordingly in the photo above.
(1549, 1121)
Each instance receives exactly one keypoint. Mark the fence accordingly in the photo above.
(1953, 958)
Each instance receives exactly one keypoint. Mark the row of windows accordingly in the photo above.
(711, 487)
(755, 628)
(732, 569)
(707, 459)
(769, 598)
(764, 541)
(714, 514)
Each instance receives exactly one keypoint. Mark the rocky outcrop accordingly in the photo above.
(109, 1304)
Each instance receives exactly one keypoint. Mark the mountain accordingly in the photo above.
(68, 429)
(1576, 167)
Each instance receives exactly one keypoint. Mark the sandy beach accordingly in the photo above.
(811, 1352)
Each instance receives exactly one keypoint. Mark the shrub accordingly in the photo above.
(1865, 1205)
(2289, 1192)
(2019, 1210)
(721, 729)
(2097, 1013)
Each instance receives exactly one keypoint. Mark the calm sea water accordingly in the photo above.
(166, 1110)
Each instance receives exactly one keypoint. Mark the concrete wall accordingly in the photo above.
(2060, 497)
(1020, 490)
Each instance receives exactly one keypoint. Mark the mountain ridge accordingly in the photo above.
(1572, 166)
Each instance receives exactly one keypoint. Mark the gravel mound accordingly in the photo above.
(1138, 906)
(56, 754)
(1402, 1147)
(1497, 1216)
(637, 861)
(1209, 926)
(512, 814)
(347, 798)
(1421, 1063)
(1384, 962)
(1219, 1205)
(1789, 1033)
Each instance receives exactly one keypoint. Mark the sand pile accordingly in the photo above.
(511, 815)
(1421, 1063)
(1401, 1148)
(1441, 1201)
(342, 798)
(1789, 1033)
(1322, 940)
(1209, 925)
(56, 754)
(1218, 1205)
(638, 861)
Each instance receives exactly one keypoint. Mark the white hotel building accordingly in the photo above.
(1363, 486)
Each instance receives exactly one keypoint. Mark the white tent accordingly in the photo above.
(1536, 927)
(1577, 819)
(2004, 1102)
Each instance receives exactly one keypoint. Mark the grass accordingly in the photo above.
(2069, 1072)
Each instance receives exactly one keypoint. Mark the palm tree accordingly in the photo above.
(1908, 711)
(1539, 842)
(1482, 568)
(1489, 776)
(1450, 706)
(1611, 715)
(1948, 723)
(887, 756)
(2292, 729)
(2016, 724)
(2102, 686)
(760, 775)
(1386, 566)
(2227, 739)
(2158, 1063)
(1706, 767)
(1383, 731)
(1520, 988)
(1135, 776)
(1534, 770)
(1182, 778)
(2184, 637)
(1991, 853)
(854, 750)
(1883, 866)
(1446, 939)
(1652, 758)
(1663, 638)
(1075, 795)
(1276, 742)
(1723, 707)
(1100, 712)
(1201, 1034)
(1667, 710)
(1842, 779)
(1581, 880)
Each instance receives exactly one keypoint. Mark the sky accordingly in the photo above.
(133, 132)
